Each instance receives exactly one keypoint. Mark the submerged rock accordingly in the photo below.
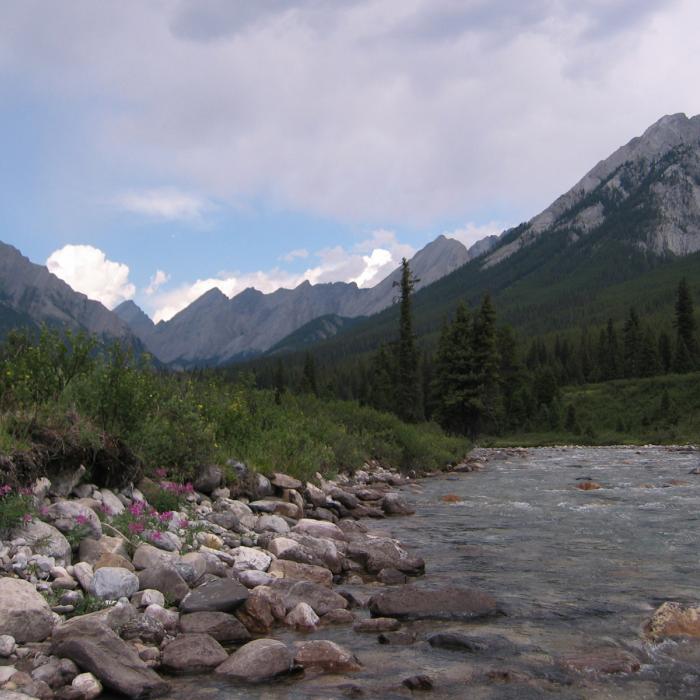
(411, 603)
(673, 620)
(223, 627)
(193, 653)
(325, 655)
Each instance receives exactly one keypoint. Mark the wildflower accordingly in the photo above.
(5, 489)
(156, 535)
(105, 509)
(136, 508)
(26, 518)
(26, 491)
(166, 517)
(136, 527)
(43, 511)
(189, 488)
(81, 519)
(184, 523)
(161, 472)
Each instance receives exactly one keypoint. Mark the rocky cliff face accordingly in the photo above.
(32, 294)
(215, 329)
(654, 179)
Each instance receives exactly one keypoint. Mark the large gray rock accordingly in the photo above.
(91, 550)
(378, 553)
(319, 528)
(112, 583)
(208, 478)
(258, 660)
(412, 603)
(71, 516)
(221, 595)
(393, 504)
(282, 568)
(320, 598)
(193, 653)
(222, 626)
(97, 649)
(166, 579)
(45, 539)
(146, 556)
(284, 481)
(263, 608)
(24, 613)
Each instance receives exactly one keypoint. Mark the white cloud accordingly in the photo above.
(157, 281)
(470, 233)
(87, 270)
(165, 203)
(294, 254)
(366, 264)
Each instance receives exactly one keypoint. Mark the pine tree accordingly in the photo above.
(631, 344)
(407, 387)
(381, 380)
(308, 380)
(280, 382)
(486, 366)
(665, 352)
(686, 342)
(649, 364)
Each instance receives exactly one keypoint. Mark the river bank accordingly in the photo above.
(532, 585)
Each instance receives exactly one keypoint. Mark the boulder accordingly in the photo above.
(288, 510)
(208, 478)
(458, 641)
(24, 613)
(112, 583)
(193, 653)
(338, 617)
(393, 504)
(245, 558)
(326, 656)
(145, 628)
(221, 595)
(254, 578)
(114, 560)
(588, 486)
(262, 609)
(147, 597)
(97, 649)
(147, 556)
(673, 620)
(320, 598)
(92, 549)
(223, 627)
(111, 505)
(284, 481)
(315, 495)
(168, 618)
(271, 523)
(70, 516)
(7, 646)
(87, 686)
(263, 486)
(412, 603)
(319, 551)
(419, 682)
(64, 482)
(84, 573)
(402, 638)
(225, 519)
(282, 568)
(379, 553)
(392, 577)
(317, 528)
(302, 617)
(281, 544)
(46, 540)
(166, 579)
(258, 660)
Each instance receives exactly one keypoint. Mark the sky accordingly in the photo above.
(151, 150)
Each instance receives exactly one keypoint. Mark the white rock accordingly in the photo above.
(302, 616)
(111, 503)
(272, 523)
(254, 578)
(168, 618)
(87, 685)
(6, 672)
(84, 573)
(66, 516)
(150, 597)
(24, 613)
(45, 539)
(319, 528)
(248, 558)
(112, 583)
(7, 645)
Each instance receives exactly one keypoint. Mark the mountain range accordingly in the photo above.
(626, 230)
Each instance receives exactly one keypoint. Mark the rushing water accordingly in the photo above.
(576, 572)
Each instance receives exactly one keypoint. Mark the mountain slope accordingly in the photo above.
(214, 329)
(31, 295)
(632, 223)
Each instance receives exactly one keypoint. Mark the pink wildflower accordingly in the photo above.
(26, 518)
(5, 489)
(105, 509)
(184, 523)
(81, 519)
(161, 472)
(156, 535)
(189, 488)
(26, 491)
(136, 508)
(166, 517)
(136, 528)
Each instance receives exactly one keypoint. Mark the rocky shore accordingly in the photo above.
(101, 590)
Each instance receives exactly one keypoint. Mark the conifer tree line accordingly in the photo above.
(482, 379)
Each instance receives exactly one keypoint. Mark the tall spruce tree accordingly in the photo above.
(486, 367)
(686, 356)
(632, 340)
(309, 383)
(408, 405)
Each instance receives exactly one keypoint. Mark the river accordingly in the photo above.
(576, 572)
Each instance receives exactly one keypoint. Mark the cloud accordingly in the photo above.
(87, 270)
(376, 112)
(166, 203)
(158, 279)
(294, 254)
(366, 264)
(470, 233)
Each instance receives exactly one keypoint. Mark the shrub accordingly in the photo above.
(16, 507)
